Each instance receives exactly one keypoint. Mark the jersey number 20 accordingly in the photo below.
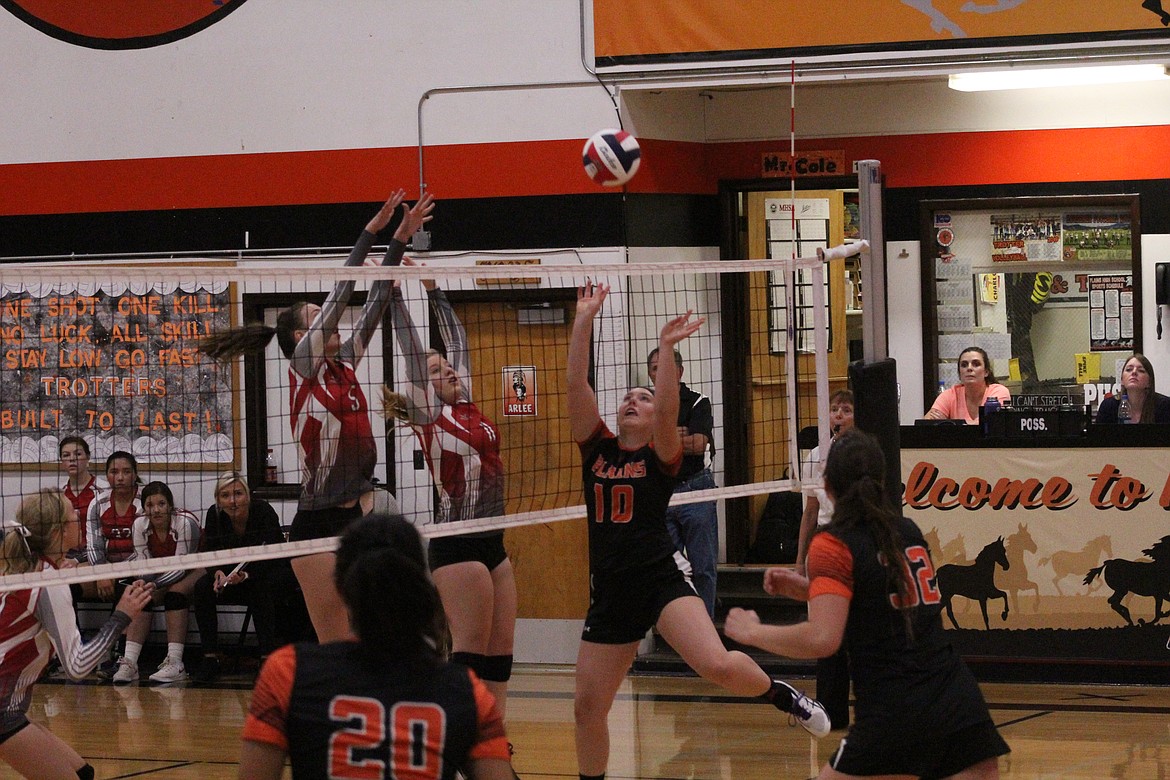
(419, 730)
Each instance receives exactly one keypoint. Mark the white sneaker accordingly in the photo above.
(170, 671)
(809, 713)
(126, 673)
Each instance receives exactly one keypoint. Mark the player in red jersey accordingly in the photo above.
(329, 415)
(81, 486)
(384, 706)
(462, 447)
(160, 532)
(871, 585)
(110, 522)
(36, 622)
(637, 579)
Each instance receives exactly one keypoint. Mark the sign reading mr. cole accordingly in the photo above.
(115, 361)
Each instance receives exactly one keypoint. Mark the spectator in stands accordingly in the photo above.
(81, 486)
(110, 522)
(976, 384)
(160, 532)
(236, 519)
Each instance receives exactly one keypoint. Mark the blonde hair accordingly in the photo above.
(226, 478)
(40, 520)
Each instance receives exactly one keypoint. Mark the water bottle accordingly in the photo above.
(942, 386)
(1123, 409)
(271, 473)
(990, 407)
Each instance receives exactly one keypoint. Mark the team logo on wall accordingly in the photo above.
(121, 24)
(519, 391)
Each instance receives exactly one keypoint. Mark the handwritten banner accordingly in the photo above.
(117, 364)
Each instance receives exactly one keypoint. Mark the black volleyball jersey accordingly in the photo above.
(912, 684)
(626, 495)
(336, 715)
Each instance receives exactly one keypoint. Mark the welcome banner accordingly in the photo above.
(1067, 550)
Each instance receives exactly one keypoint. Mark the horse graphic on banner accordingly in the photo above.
(1015, 578)
(976, 581)
(1144, 578)
(1066, 562)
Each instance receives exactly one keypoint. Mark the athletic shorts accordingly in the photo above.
(624, 606)
(322, 523)
(446, 550)
(11, 724)
(877, 751)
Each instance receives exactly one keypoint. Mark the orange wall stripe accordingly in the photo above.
(543, 168)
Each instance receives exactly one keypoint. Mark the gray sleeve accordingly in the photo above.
(454, 337)
(310, 350)
(95, 543)
(423, 406)
(354, 349)
(55, 613)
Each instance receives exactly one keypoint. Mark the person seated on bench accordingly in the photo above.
(160, 532)
(236, 519)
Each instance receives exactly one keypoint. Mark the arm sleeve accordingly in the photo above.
(454, 337)
(95, 543)
(268, 713)
(310, 350)
(423, 406)
(55, 613)
(354, 349)
(830, 567)
(490, 739)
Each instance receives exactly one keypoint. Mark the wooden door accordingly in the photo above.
(541, 461)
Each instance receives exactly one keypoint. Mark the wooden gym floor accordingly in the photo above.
(661, 727)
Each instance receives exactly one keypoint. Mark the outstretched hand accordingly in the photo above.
(414, 217)
(680, 328)
(135, 598)
(428, 284)
(590, 297)
(382, 218)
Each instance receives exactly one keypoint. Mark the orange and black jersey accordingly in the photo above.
(626, 496)
(337, 715)
(917, 682)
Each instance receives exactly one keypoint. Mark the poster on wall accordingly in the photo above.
(520, 391)
(1019, 238)
(116, 363)
(1098, 237)
(1048, 552)
(1110, 312)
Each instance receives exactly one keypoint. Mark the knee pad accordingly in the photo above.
(85, 773)
(175, 601)
(497, 668)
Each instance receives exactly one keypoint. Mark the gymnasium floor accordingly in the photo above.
(661, 727)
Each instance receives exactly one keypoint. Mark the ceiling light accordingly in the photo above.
(1055, 77)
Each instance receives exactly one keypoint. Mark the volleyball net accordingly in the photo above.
(111, 352)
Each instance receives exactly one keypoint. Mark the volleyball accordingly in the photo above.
(612, 157)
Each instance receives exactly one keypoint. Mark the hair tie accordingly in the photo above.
(23, 532)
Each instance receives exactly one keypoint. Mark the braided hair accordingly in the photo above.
(855, 473)
(394, 608)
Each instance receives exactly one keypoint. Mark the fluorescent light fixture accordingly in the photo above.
(1055, 77)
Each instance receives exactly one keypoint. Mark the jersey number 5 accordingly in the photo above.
(923, 589)
(620, 508)
(419, 731)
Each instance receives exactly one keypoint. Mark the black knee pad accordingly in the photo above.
(85, 773)
(496, 668)
(175, 601)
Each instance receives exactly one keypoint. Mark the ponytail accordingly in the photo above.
(252, 338)
(855, 472)
(394, 406)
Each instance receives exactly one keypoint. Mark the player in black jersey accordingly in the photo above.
(384, 706)
(871, 583)
(637, 579)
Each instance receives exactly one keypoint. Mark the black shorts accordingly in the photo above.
(12, 724)
(446, 550)
(877, 751)
(322, 523)
(623, 607)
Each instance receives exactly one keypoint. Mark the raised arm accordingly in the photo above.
(413, 218)
(667, 442)
(583, 414)
(454, 336)
(422, 405)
